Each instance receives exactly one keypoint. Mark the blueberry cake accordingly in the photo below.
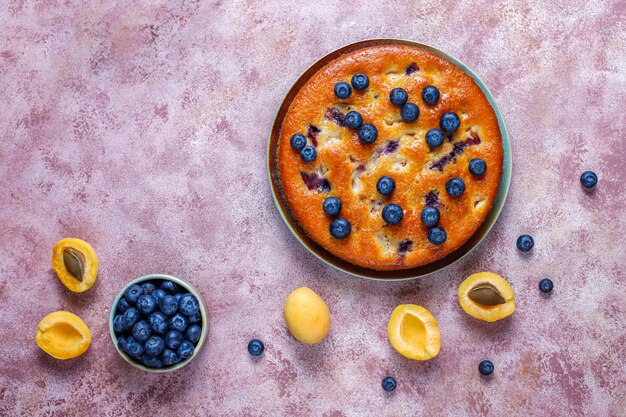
(390, 157)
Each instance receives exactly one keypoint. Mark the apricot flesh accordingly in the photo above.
(63, 335)
(486, 296)
(75, 263)
(414, 332)
(307, 316)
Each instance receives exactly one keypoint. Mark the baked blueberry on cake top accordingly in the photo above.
(407, 147)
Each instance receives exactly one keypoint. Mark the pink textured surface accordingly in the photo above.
(142, 129)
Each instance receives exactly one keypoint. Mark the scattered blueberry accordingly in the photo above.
(188, 304)
(434, 138)
(410, 112)
(179, 322)
(486, 368)
(449, 122)
(158, 322)
(340, 228)
(360, 81)
(430, 216)
(158, 295)
(133, 293)
(142, 331)
(455, 187)
(169, 287)
(343, 89)
(168, 305)
(129, 318)
(298, 141)
(133, 347)
(385, 185)
(525, 243)
(117, 324)
(354, 120)
(392, 214)
(169, 357)
(122, 305)
(185, 350)
(154, 346)
(308, 154)
(477, 167)
(193, 333)
(146, 304)
(196, 318)
(398, 96)
(332, 206)
(256, 347)
(589, 179)
(430, 95)
(148, 287)
(389, 383)
(151, 361)
(368, 133)
(437, 236)
(173, 338)
(546, 285)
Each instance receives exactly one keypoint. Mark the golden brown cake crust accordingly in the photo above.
(351, 168)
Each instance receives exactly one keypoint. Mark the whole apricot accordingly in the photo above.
(307, 316)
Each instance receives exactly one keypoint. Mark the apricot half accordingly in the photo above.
(307, 316)
(63, 335)
(486, 296)
(414, 332)
(76, 263)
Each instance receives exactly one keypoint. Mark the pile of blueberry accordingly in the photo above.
(158, 323)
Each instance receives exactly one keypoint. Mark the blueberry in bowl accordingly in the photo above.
(158, 323)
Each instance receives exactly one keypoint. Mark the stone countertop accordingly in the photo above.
(142, 129)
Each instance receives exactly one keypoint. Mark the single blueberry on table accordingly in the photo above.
(437, 236)
(455, 187)
(173, 338)
(368, 133)
(485, 368)
(148, 287)
(430, 216)
(477, 167)
(133, 347)
(142, 331)
(188, 304)
(389, 383)
(392, 214)
(546, 285)
(354, 120)
(168, 305)
(449, 122)
(385, 185)
(525, 243)
(343, 89)
(179, 322)
(146, 304)
(158, 295)
(398, 97)
(430, 95)
(132, 293)
(256, 347)
(196, 318)
(308, 154)
(185, 350)
(169, 357)
(410, 112)
(193, 333)
(340, 228)
(154, 346)
(589, 179)
(122, 305)
(151, 361)
(158, 322)
(332, 206)
(360, 81)
(434, 138)
(117, 324)
(169, 287)
(297, 141)
(129, 318)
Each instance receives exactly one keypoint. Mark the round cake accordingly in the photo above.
(390, 157)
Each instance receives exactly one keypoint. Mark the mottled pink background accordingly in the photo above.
(142, 129)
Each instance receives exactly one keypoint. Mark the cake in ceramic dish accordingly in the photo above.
(390, 157)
